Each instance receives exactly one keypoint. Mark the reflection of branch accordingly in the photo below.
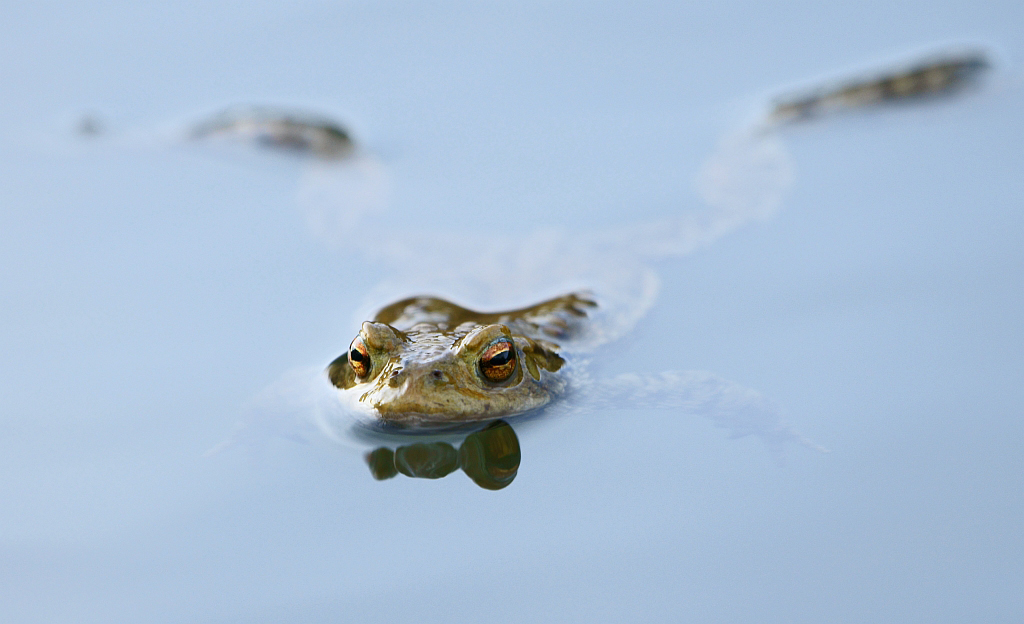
(490, 457)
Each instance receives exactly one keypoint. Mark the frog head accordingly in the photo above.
(431, 376)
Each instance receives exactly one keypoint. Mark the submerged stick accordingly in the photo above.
(935, 76)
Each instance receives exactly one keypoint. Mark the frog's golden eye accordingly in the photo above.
(498, 361)
(359, 358)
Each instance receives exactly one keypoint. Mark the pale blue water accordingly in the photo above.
(152, 289)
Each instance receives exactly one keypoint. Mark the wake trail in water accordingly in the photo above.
(743, 181)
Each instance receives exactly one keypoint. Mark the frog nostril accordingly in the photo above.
(395, 378)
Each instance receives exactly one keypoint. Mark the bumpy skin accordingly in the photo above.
(425, 360)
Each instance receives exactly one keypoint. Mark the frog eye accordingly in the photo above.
(359, 358)
(498, 361)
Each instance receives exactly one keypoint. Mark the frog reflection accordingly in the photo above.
(490, 457)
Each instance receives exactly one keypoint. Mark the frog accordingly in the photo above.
(426, 366)
(425, 362)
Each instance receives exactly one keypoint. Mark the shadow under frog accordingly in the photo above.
(490, 457)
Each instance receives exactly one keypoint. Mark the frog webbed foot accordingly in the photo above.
(557, 319)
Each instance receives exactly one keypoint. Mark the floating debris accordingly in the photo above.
(299, 133)
(938, 75)
(89, 125)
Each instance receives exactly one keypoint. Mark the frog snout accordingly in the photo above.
(438, 377)
(396, 377)
(430, 377)
(425, 377)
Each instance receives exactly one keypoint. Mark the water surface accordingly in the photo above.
(154, 291)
